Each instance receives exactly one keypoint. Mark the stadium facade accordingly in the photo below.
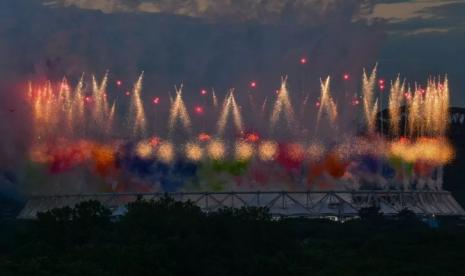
(314, 204)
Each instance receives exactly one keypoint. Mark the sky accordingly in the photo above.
(222, 44)
(226, 44)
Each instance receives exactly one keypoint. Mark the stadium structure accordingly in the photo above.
(338, 204)
(312, 204)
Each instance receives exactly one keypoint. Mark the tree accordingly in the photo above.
(406, 215)
(85, 221)
(371, 214)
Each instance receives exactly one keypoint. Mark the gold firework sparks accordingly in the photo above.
(370, 105)
(178, 111)
(193, 152)
(327, 103)
(394, 107)
(414, 110)
(78, 103)
(244, 151)
(111, 118)
(268, 150)
(98, 98)
(165, 152)
(144, 150)
(283, 105)
(229, 105)
(214, 99)
(216, 150)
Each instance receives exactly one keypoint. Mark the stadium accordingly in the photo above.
(336, 204)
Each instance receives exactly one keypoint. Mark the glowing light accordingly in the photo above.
(155, 141)
(111, 118)
(315, 152)
(136, 109)
(199, 110)
(283, 105)
(229, 105)
(327, 103)
(214, 99)
(216, 150)
(414, 117)
(127, 93)
(355, 101)
(203, 92)
(100, 106)
(370, 105)
(431, 150)
(395, 103)
(194, 152)
(144, 150)
(295, 151)
(253, 84)
(165, 152)
(62, 122)
(252, 137)
(78, 104)
(119, 82)
(268, 150)
(204, 137)
(346, 76)
(178, 111)
(303, 60)
(244, 151)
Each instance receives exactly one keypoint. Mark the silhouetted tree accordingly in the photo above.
(406, 215)
(168, 237)
(371, 214)
(85, 221)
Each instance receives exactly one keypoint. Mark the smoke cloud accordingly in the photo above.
(202, 43)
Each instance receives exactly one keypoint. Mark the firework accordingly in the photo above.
(315, 151)
(193, 152)
(229, 105)
(136, 110)
(244, 151)
(216, 150)
(178, 111)
(370, 105)
(326, 103)
(144, 150)
(268, 150)
(282, 105)
(165, 152)
(78, 128)
(395, 103)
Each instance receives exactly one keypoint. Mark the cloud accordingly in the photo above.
(398, 11)
(410, 18)
(426, 39)
(308, 11)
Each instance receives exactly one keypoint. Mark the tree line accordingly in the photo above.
(168, 237)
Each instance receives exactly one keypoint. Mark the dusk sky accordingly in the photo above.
(223, 44)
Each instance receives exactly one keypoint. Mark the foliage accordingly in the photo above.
(167, 237)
